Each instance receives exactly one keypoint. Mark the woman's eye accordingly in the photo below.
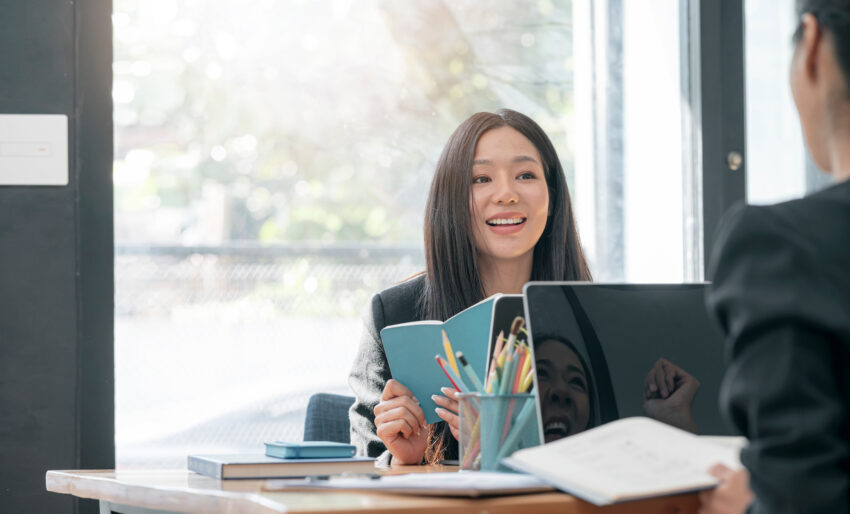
(528, 175)
(578, 384)
(542, 375)
(480, 180)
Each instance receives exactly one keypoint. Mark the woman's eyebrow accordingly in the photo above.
(525, 158)
(518, 158)
(578, 370)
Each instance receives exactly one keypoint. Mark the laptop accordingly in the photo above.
(609, 351)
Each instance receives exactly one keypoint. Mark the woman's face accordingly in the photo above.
(564, 390)
(509, 200)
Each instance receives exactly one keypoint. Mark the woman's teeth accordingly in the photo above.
(556, 427)
(508, 221)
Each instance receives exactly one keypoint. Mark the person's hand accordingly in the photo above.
(733, 495)
(668, 392)
(400, 424)
(448, 409)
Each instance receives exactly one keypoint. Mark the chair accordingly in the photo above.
(327, 418)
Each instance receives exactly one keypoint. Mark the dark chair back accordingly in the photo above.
(327, 418)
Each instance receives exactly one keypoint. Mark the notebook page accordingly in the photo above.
(628, 458)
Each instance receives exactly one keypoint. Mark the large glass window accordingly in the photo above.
(779, 165)
(272, 163)
(637, 106)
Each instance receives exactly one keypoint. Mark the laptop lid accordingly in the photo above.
(599, 348)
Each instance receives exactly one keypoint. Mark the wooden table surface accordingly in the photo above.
(185, 491)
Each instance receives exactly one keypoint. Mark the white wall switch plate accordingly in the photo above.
(33, 150)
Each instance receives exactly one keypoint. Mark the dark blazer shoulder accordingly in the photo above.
(772, 264)
(401, 302)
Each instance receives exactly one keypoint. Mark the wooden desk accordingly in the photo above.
(138, 492)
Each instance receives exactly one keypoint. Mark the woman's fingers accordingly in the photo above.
(400, 414)
(448, 401)
(448, 408)
(649, 386)
(661, 381)
(390, 429)
(400, 402)
(720, 471)
(450, 418)
(395, 388)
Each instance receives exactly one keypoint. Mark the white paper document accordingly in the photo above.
(627, 459)
(465, 483)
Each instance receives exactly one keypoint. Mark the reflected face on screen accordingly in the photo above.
(564, 390)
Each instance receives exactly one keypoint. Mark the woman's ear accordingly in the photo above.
(810, 46)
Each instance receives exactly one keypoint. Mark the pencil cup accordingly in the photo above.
(493, 426)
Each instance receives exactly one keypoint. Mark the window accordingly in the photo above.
(772, 121)
(272, 165)
(637, 173)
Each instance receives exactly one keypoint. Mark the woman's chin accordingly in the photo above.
(548, 438)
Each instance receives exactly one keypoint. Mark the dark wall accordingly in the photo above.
(56, 257)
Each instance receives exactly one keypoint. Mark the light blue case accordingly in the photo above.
(310, 450)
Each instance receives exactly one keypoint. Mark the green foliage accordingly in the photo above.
(317, 120)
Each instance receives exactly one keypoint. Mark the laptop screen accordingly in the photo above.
(604, 352)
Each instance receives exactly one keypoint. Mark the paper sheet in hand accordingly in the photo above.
(471, 484)
(627, 459)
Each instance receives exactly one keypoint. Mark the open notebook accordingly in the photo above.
(627, 459)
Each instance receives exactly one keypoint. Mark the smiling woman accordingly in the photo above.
(566, 391)
(498, 215)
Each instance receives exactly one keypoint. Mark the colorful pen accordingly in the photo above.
(447, 372)
(470, 372)
(447, 346)
(520, 360)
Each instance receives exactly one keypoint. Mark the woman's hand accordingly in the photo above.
(668, 392)
(732, 496)
(448, 409)
(400, 424)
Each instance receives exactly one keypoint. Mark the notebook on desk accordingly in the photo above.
(255, 465)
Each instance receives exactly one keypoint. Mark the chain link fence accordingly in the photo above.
(218, 349)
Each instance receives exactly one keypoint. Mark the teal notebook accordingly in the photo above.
(410, 347)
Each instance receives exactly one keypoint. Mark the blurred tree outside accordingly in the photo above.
(290, 121)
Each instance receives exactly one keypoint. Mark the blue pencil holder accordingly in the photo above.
(493, 426)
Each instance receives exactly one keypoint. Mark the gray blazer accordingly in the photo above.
(781, 293)
(370, 372)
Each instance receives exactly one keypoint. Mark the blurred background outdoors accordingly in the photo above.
(272, 160)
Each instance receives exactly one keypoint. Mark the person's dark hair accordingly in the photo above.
(833, 17)
(588, 372)
(451, 261)
(453, 282)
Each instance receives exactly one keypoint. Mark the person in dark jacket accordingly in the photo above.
(498, 215)
(781, 294)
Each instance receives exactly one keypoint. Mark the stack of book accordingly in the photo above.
(284, 460)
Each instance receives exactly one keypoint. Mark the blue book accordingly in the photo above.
(411, 347)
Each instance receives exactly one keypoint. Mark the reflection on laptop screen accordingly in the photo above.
(604, 352)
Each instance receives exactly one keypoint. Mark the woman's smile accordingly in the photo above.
(506, 223)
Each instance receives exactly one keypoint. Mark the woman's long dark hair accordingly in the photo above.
(453, 281)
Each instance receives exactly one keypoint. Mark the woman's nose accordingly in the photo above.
(558, 393)
(505, 192)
